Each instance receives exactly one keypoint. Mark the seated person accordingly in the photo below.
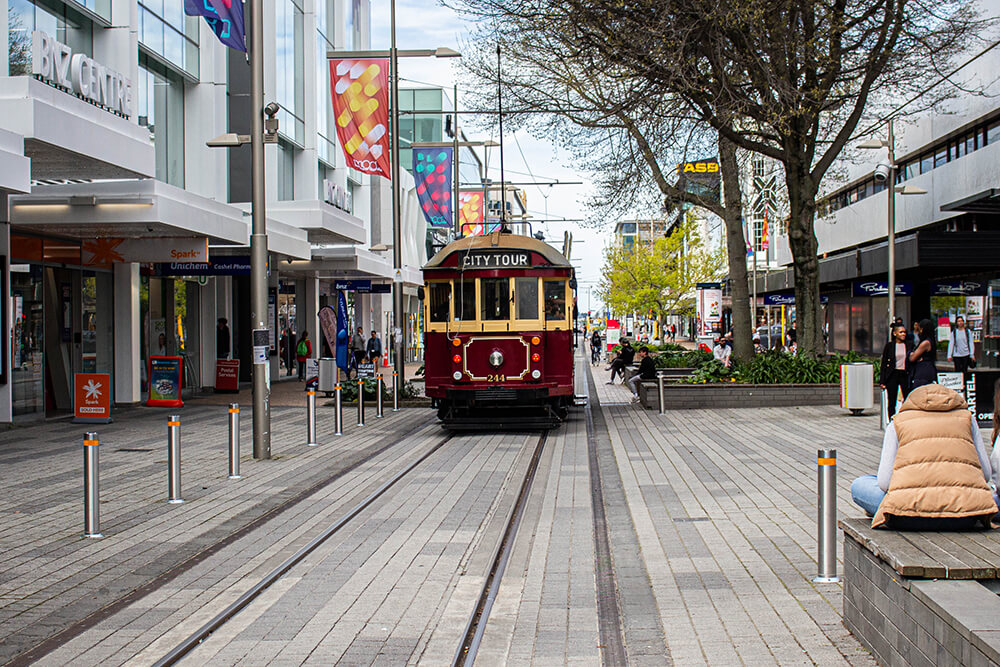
(722, 352)
(934, 470)
(647, 371)
(626, 354)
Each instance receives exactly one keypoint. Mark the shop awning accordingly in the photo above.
(350, 261)
(324, 223)
(15, 168)
(987, 201)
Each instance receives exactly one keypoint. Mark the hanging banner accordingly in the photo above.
(360, 90)
(763, 244)
(471, 212)
(225, 18)
(432, 169)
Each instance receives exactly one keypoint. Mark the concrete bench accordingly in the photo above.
(923, 598)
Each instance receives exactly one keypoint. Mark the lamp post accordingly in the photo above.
(888, 171)
(397, 249)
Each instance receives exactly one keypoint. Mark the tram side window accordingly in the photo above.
(526, 298)
(555, 299)
(495, 298)
(466, 300)
(440, 294)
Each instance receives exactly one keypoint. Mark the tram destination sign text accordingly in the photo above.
(496, 260)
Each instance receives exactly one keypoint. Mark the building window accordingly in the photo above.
(289, 64)
(352, 25)
(993, 133)
(167, 32)
(326, 129)
(286, 171)
(160, 107)
(63, 25)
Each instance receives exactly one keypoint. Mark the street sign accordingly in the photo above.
(92, 398)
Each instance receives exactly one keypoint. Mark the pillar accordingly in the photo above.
(128, 357)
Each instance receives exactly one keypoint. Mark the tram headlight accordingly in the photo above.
(456, 341)
(457, 358)
(535, 374)
(456, 376)
(535, 340)
(496, 359)
(536, 357)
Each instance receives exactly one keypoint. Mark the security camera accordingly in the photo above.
(272, 109)
(882, 173)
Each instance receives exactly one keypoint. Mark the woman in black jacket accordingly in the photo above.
(895, 372)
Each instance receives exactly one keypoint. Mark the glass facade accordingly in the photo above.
(419, 128)
(286, 171)
(160, 105)
(62, 23)
(289, 66)
(166, 31)
(326, 130)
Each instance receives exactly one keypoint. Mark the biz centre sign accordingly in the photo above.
(54, 62)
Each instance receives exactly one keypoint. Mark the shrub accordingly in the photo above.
(776, 367)
(683, 359)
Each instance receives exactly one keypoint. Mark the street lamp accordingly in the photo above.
(887, 173)
(397, 244)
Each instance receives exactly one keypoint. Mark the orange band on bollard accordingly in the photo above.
(234, 411)
(310, 393)
(336, 388)
(90, 443)
(827, 462)
(173, 423)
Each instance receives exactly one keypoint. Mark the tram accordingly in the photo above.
(499, 344)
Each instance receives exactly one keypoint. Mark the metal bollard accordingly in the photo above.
(659, 377)
(234, 441)
(174, 459)
(361, 402)
(884, 408)
(338, 413)
(395, 391)
(378, 396)
(311, 418)
(826, 532)
(91, 486)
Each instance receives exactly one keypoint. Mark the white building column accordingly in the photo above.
(207, 321)
(307, 312)
(128, 355)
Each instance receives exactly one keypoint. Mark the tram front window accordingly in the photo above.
(466, 303)
(526, 298)
(495, 298)
(555, 300)
(440, 297)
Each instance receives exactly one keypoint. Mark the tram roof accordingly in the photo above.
(499, 241)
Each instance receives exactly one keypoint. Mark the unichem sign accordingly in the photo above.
(54, 62)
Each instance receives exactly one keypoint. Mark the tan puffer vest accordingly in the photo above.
(936, 472)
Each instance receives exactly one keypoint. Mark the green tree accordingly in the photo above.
(660, 277)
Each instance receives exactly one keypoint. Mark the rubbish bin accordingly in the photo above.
(856, 386)
(327, 375)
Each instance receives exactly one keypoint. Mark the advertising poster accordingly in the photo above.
(613, 333)
(954, 381)
(360, 90)
(312, 374)
(979, 394)
(92, 398)
(227, 376)
(165, 382)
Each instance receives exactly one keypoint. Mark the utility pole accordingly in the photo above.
(399, 324)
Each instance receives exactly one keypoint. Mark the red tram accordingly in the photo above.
(499, 342)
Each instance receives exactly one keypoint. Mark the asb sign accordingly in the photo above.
(700, 167)
(53, 61)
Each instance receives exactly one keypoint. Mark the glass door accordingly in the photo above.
(27, 367)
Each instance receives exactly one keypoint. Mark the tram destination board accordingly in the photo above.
(496, 259)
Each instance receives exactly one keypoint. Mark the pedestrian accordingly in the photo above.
(894, 374)
(961, 349)
(303, 351)
(934, 470)
(221, 339)
(283, 343)
(923, 356)
(721, 352)
(626, 354)
(358, 346)
(647, 371)
(595, 348)
(673, 333)
(374, 348)
(161, 345)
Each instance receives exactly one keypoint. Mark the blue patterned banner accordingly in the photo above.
(224, 16)
(432, 173)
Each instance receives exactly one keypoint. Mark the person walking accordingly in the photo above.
(647, 371)
(221, 339)
(626, 354)
(358, 346)
(673, 333)
(961, 349)
(923, 357)
(374, 348)
(595, 348)
(303, 351)
(934, 471)
(894, 374)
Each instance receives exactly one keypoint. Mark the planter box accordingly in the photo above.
(733, 395)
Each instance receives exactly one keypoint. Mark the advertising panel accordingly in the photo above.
(165, 377)
(361, 109)
(92, 398)
(613, 333)
(227, 376)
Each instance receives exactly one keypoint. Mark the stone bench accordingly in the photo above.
(923, 598)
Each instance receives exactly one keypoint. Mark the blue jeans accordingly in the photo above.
(866, 494)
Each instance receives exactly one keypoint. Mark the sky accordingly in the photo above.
(425, 24)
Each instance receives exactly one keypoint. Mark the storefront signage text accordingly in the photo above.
(53, 61)
(219, 266)
(881, 288)
(362, 286)
(787, 299)
(496, 260)
(958, 288)
(337, 195)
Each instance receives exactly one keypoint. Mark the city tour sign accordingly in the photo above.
(54, 62)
